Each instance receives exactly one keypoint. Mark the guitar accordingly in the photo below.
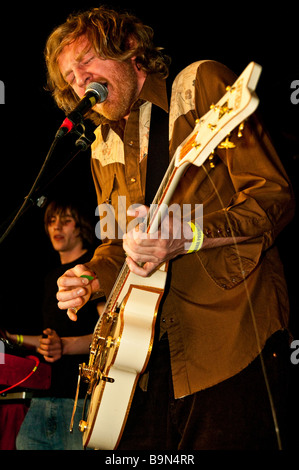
(123, 336)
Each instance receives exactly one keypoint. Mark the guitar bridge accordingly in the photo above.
(90, 375)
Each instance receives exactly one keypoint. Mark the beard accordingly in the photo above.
(122, 92)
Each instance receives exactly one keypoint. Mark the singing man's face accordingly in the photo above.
(80, 65)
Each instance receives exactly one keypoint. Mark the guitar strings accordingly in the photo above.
(263, 366)
(161, 189)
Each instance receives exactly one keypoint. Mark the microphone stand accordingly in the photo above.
(83, 142)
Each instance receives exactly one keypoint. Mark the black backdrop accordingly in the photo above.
(234, 34)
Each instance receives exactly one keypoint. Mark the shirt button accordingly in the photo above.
(131, 143)
(133, 180)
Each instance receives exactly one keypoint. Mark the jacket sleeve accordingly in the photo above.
(107, 261)
(109, 256)
(261, 202)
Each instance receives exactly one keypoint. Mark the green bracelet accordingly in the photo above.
(197, 237)
(20, 340)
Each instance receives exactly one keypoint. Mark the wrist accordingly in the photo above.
(64, 345)
(15, 338)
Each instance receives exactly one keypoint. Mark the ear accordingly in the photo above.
(131, 42)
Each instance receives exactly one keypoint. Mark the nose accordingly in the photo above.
(57, 224)
(82, 78)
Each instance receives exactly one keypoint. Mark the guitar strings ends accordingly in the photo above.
(211, 160)
(240, 130)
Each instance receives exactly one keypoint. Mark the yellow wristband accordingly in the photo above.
(20, 340)
(197, 237)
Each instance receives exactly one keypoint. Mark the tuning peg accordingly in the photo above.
(230, 88)
(224, 109)
(226, 144)
(196, 145)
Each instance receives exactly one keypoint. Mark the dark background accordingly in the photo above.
(234, 33)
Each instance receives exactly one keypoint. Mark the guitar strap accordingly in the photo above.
(157, 164)
(158, 152)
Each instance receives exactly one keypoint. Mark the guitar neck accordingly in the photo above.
(164, 194)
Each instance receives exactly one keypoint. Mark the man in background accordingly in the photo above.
(63, 344)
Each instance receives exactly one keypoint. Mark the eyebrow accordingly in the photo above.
(61, 215)
(83, 53)
(78, 59)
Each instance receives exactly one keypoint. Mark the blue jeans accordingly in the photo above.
(46, 425)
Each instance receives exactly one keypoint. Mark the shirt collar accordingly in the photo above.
(153, 90)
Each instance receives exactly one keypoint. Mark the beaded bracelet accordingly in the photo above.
(197, 237)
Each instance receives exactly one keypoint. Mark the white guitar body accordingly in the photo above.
(123, 337)
(126, 359)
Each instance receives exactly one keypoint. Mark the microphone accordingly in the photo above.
(94, 93)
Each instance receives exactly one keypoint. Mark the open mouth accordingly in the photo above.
(105, 84)
(58, 237)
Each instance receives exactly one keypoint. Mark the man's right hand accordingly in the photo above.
(74, 291)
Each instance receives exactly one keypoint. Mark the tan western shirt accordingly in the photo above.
(222, 303)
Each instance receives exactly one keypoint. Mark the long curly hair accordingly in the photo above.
(109, 33)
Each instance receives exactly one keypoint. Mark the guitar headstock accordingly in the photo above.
(239, 102)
